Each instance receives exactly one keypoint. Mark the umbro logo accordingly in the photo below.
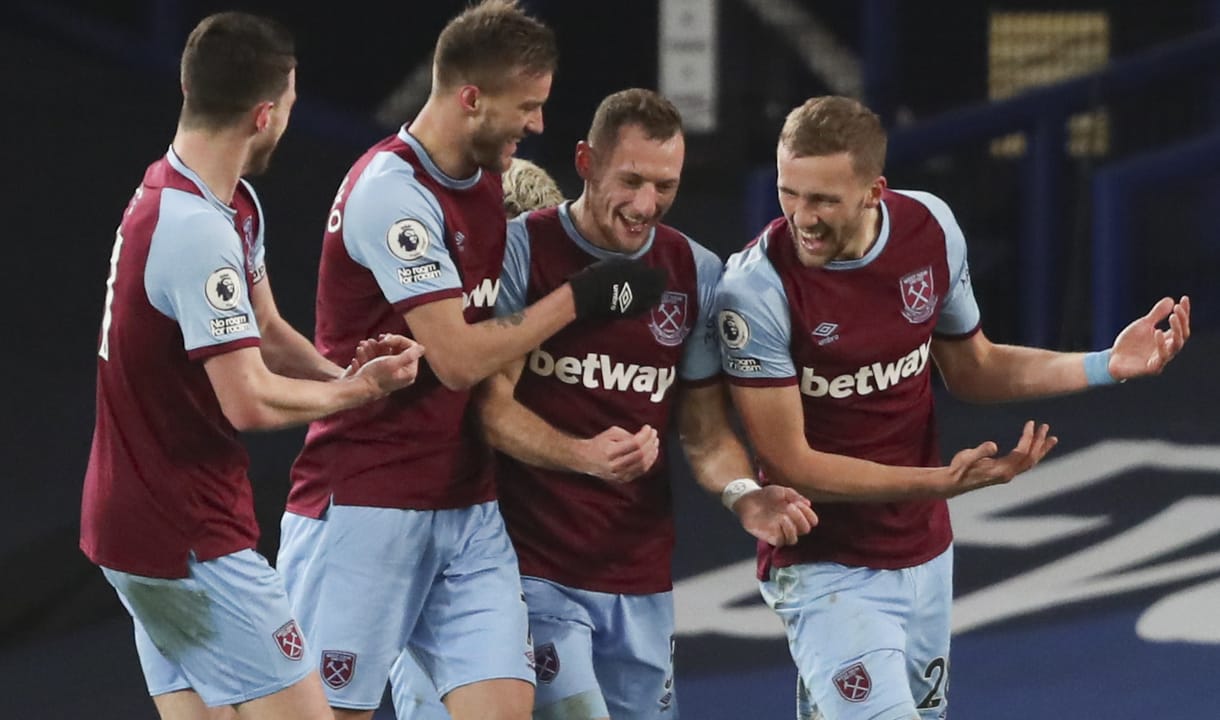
(826, 333)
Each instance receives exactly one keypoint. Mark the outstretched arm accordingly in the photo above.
(978, 370)
(774, 420)
(614, 455)
(775, 514)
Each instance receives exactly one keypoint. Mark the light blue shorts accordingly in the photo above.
(226, 631)
(414, 695)
(601, 654)
(370, 583)
(868, 644)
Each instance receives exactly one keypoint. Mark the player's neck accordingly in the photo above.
(870, 230)
(217, 158)
(442, 138)
(582, 218)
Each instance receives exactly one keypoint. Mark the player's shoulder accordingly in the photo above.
(751, 265)
(189, 214)
(922, 201)
(389, 181)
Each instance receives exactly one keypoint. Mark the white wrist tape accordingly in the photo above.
(736, 490)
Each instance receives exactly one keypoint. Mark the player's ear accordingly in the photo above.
(262, 115)
(873, 198)
(584, 159)
(469, 97)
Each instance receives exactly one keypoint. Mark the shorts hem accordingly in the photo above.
(443, 691)
(264, 691)
(170, 689)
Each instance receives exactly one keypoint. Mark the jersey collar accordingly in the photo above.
(565, 217)
(431, 167)
(180, 167)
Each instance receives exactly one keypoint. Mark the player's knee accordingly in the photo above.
(587, 705)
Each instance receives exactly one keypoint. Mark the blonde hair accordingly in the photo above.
(834, 124)
(528, 187)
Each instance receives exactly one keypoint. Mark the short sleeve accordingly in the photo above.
(196, 275)
(701, 354)
(753, 322)
(394, 226)
(514, 279)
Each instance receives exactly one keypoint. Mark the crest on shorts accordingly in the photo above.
(668, 322)
(853, 683)
(288, 639)
(546, 663)
(918, 295)
(338, 667)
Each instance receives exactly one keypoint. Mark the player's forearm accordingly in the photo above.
(515, 430)
(716, 459)
(289, 353)
(1011, 372)
(827, 477)
(461, 360)
(273, 401)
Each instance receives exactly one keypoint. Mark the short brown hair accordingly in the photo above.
(658, 117)
(233, 61)
(832, 124)
(489, 42)
(528, 187)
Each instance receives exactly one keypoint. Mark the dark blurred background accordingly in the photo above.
(1078, 143)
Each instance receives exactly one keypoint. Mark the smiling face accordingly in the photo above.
(628, 187)
(506, 117)
(831, 210)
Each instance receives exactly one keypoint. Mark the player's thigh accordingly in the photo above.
(846, 631)
(633, 653)
(928, 634)
(301, 701)
(562, 630)
(371, 577)
(227, 629)
(495, 699)
(413, 692)
(474, 625)
(187, 705)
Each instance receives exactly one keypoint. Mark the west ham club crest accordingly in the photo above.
(668, 321)
(918, 295)
(853, 683)
(288, 639)
(546, 663)
(338, 668)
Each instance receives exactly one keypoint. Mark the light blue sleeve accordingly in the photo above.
(394, 226)
(959, 312)
(701, 354)
(258, 258)
(752, 318)
(195, 273)
(514, 280)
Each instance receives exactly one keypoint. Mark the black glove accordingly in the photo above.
(616, 287)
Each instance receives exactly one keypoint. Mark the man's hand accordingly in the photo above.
(1142, 348)
(389, 363)
(616, 287)
(383, 344)
(617, 456)
(776, 514)
(978, 467)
